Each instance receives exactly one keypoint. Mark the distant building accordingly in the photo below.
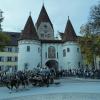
(9, 56)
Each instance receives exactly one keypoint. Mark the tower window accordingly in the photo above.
(39, 50)
(64, 52)
(51, 52)
(79, 64)
(42, 35)
(26, 66)
(45, 26)
(28, 48)
(68, 49)
(45, 31)
(57, 54)
(99, 64)
(77, 49)
(45, 54)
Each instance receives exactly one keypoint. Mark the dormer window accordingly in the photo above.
(28, 48)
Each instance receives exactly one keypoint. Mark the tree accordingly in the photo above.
(1, 19)
(93, 24)
(90, 47)
(4, 38)
(90, 42)
(94, 18)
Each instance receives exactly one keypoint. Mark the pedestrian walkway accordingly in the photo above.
(60, 96)
(68, 89)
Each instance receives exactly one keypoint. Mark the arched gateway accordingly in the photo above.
(52, 64)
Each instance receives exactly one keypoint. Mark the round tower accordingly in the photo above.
(72, 58)
(29, 55)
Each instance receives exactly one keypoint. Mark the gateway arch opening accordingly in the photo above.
(52, 64)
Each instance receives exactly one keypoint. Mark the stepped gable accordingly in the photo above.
(43, 17)
(69, 34)
(29, 31)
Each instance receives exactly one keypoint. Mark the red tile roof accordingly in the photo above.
(69, 34)
(29, 31)
(43, 17)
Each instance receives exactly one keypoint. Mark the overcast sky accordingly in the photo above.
(16, 13)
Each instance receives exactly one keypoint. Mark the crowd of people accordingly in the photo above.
(43, 77)
(34, 77)
(81, 73)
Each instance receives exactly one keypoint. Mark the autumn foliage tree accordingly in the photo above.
(90, 42)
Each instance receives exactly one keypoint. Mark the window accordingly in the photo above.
(38, 50)
(77, 49)
(9, 59)
(1, 59)
(57, 54)
(99, 64)
(0, 68)
(45, 54)
(16, 49)
(42, 35)
(45, 31)
(26, 66)
(64, 52)
(45, 26)
(48, 35)
(8, 68)
(28, 48)
(16, 59)
(14, 68)
(79, 64)
(51, 52)
(68, 50)
(9, 49)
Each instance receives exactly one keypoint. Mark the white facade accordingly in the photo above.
(38, 55)
(73, 58)
(29, 59)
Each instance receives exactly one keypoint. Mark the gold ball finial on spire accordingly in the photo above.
(68, 17)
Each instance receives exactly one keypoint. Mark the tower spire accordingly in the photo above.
(69, 34)
(29, 31)
(43, 17)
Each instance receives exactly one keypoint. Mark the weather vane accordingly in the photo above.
(30, 13)
(43, 2)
